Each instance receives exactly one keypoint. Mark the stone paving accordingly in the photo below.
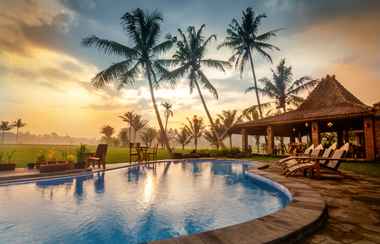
(354, 208)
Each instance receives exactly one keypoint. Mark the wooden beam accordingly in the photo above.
(369, 138)
(270, 142)
(315, 133)
(244, 140)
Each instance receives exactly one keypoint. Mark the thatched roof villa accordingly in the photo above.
(329, 108)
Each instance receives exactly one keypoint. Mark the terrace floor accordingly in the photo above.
(353, 205)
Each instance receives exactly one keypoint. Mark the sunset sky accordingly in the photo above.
(45, 73)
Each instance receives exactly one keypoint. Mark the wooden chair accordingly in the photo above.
(99, 157)
(314, 166)
(134, 151)
(152, 154)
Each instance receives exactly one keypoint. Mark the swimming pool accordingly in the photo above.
(137, 204)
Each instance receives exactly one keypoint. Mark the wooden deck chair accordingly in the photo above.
(99, 157)
(314, 166)
(307, 152)
(298, 160)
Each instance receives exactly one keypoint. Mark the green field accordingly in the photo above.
(24, 154)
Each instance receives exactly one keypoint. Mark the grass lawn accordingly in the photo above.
(24, 154)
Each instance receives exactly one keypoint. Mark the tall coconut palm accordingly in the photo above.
(18, 124)
(243, 38)
(168, 113)
(183, 136)
(229, 118)
(5, 126)
(142, 56)
(137, 124)
(189, 59)
(283, 88)
(128, 117)
(195, 127)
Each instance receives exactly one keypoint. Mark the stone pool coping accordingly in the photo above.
(305, 214)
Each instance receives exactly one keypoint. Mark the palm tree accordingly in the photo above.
(5, 126)
(183, 136)
(189, 60)
(168, 113)
(283, 88)
(124, 137)
(107, 131)
(244, 40)
(148, 135)
(210, 136)
(128, 117)
(137, 124)
(229, 118)
(18, 124)
(195, 127)
(142, 57)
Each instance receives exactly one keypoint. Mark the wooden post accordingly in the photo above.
(244, 140)
(270, 143)
(369, 138)
(315, 133)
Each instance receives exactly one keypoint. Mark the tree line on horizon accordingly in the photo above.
(145, 56)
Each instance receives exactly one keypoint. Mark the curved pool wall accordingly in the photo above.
(138, 204)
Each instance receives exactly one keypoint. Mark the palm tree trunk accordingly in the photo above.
(195, 143)
(130, 133)
(166, 123)
(16, 135)
(165, 138)
(230, 136)
(255, 83)
(220, 142)
(183, 147)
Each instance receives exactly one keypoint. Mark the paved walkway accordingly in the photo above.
(354, 209)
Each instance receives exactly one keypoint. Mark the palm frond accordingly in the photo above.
(207, 84)
(110, 47)
(216, 64)
(113, 72)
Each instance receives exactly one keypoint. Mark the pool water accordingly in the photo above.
(135, 205)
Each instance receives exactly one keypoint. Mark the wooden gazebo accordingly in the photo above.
(329, 108)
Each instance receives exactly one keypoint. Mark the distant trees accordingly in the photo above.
(123, 137)
(148, 136)
(18, 124)
(183, 136)
(138, 123)
(229, 118)
(195, 127)
(5, 126)
(168, 113)
(107, 131)
(128, 117)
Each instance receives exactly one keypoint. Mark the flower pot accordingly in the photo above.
(7, 166)
(30, 165)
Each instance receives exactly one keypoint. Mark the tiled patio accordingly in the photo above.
(353, 205)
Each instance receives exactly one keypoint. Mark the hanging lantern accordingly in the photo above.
(330, 124)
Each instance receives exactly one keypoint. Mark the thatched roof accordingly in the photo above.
(329, 100)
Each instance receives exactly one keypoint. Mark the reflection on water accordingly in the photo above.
(139, 204)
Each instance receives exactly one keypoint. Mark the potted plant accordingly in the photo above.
(30, 165)
(8, 164)
(82, 156)
(41, 159)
